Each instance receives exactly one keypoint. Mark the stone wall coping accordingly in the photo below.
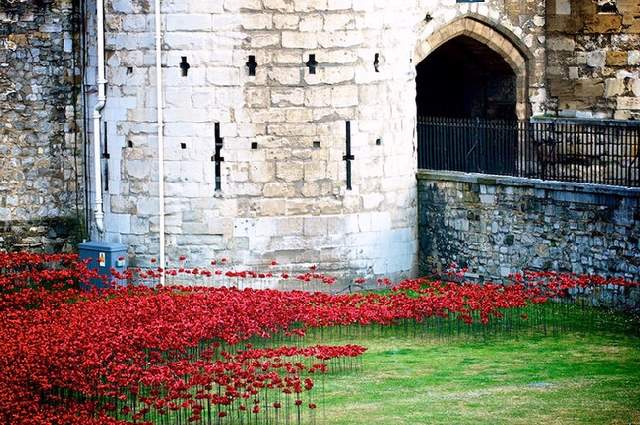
(489, 179)
(587, 121)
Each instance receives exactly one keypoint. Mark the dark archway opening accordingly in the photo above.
(466, 79)
(466, 100)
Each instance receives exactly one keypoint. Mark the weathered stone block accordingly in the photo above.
(635, 86)
(311, 23)
(617, 58)
(562, 43)
(340, 39)
(188, 22)
(257, 21)
(279, 5)
(297, 40)
(299, 115)
(344, 96)
(278, 190)
(288, 22)
(314, 171)
(287, 76)
(317, 96)
(287, 96)
(315, 226)
(262, 172)
(596, 59)
(310, 5)
(589, 88)
(291, 171)
(631, 103)
(614, 87)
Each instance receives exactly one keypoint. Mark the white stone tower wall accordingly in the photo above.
(286, 200)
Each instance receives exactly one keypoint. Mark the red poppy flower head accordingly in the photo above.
(308, 384)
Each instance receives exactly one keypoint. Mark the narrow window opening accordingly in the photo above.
(184, 65)
(217, 158)
(106, 156)
(312, 64)
(252, 65)
(348, 157)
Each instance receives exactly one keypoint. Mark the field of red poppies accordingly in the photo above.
(219, 354)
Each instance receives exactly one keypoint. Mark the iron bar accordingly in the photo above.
(606, 152)
(348, 157)
(217, 158)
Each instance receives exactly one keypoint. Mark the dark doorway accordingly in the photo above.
(466, 79)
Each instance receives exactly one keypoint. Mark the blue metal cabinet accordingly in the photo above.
(105, 256)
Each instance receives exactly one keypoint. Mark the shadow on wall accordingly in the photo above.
(51, 235)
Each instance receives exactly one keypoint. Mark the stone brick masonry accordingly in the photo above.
(283, 180)
(38, 184)
(594, 58)
(501, 225)
(284, 192)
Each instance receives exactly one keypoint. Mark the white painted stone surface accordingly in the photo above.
(286, 200)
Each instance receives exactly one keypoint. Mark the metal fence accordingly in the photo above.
(606, 152)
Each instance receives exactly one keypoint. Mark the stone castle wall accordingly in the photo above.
(501, 225)
(283, 185)
(38, 65)
(594, 58)
(284, 192)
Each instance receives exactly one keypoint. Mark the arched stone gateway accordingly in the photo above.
(499, 40)
(290, 127)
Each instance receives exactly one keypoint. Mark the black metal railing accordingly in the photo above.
(606, 152)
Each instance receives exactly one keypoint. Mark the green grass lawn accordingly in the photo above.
(572, 378)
